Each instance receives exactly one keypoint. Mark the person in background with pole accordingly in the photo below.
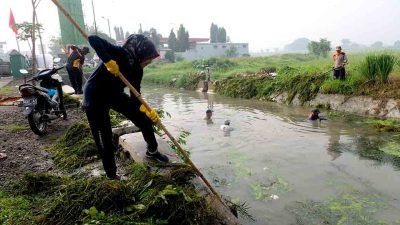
(340, 60)
(74, 67)
(105, 91)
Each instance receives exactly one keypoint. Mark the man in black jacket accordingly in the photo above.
(74, 67)
(105, 91)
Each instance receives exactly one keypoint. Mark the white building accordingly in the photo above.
(208, 50)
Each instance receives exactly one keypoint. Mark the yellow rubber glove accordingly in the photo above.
(112, 67)
(151, 114)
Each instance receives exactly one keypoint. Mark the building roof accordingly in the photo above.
(164, 40)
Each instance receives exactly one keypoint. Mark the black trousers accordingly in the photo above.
(99, 121)
(75, 77)
(339, 73)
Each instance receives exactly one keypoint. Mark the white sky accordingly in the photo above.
(261, 23)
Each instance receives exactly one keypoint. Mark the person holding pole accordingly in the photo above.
(74, 67)
(105, 91)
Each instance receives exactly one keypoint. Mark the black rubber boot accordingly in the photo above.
(157, 156)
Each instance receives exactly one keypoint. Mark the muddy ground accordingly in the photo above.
(25, 150)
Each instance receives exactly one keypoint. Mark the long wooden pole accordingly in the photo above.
(138, 95)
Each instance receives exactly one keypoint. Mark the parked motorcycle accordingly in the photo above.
(44, 102)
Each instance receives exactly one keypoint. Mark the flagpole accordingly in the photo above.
(16, 38)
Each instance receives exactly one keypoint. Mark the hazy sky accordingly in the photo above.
(261, 23)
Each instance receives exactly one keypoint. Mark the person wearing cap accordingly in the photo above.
(74, 67)
(340, 60)
(104, 91)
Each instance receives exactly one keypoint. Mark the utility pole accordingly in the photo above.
(94, 19)
(109, 29)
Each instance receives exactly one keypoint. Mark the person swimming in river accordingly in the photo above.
(208, 116)
(226, 127)
(314, 115)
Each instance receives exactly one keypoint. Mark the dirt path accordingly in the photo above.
(26, 151)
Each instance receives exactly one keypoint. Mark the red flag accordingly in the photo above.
(11, 23)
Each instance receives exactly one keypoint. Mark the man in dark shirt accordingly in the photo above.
(74, 67)
(105, 91)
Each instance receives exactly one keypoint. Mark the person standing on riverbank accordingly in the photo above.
(105, 91)
(74, 67)
(340, 60)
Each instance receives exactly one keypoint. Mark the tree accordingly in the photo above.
(346, 43)
(55, 46)
(25, 31)
(140, 31)
(298, 45)
(217, 34)
(213, 33)
(127, 35)
(101, 34)
(377, 45)
(182, 40)
(231, 52)
(221, 35)
(155, 37)
(396, 45)
(320, 48)
(172, 41)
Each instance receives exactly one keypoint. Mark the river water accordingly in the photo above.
(287, 169)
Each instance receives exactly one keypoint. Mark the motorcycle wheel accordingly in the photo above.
(36, 122)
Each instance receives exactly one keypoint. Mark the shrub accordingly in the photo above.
(378, 65)
(385, 64)
(369, 67)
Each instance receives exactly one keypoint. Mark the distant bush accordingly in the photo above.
(216, 63)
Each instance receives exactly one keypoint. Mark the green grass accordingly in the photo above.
(146, 197)
(76, 148)
(7, 90)
(384, 125)
(298, 74)
(14, 128)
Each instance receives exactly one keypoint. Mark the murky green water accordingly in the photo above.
(289, 170)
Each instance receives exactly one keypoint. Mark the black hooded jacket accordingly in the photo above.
(103, 87)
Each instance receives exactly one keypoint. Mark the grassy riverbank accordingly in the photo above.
(297, 74)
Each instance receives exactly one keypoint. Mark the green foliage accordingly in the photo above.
(378, 65)
(388, 125)
(217, 34)
(267, 192)
(76, 148)
(231, 52)
(145, 197)
(15, 210)
(190, 81)
(182, 40)
(116, 118)
(7, 90)
(386, 63)
(170, 56)
(392, 148)
(25, 30)
(348, 208)
(215, 63)
(336, 87)
(181, 141)
(320, 48)
(172, 41)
